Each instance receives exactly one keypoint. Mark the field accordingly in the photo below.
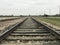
(5, 22)
(4, 18)
(53, 20)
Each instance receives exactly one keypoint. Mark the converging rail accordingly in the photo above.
(8, 31)
(30, 32)
(53, 31)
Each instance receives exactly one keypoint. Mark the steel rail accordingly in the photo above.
(8, 31)
(52, 31)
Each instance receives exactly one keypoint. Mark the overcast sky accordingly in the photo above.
(26, 7)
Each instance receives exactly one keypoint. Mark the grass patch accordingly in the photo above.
(52, 20)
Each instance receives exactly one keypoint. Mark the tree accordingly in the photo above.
(45, 15)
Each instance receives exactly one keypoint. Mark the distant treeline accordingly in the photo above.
(7, 16)
(12, 16)
(45, 15)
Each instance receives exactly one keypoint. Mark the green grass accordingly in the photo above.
(52, 20)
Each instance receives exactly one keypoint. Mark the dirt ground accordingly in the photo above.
(8, 23)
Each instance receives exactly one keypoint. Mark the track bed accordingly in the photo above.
(30, 33)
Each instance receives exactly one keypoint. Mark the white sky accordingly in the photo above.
(26, 7)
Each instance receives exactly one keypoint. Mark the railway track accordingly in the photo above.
(30, 32)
